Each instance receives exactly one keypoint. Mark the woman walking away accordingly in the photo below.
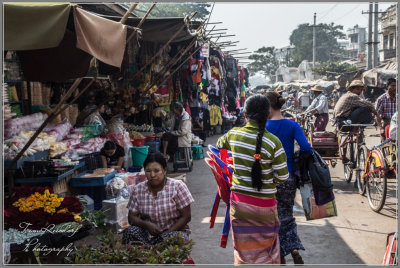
(287, 131)
(259, 166)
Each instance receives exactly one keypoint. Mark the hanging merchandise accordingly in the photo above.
(215, 115)
(195, 68)
(205, 50)
(147, 81)
(165, 94)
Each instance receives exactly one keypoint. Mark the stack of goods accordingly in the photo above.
(7, 107)
(36, 93)
(60, 131)
(14, 145)
(29, 122)
(57, 149)
(90, 146)
(142, 128)
(11, 71)
(46, 95)
(132, 178)
(73, 138)
(48, 111)
(100, 172)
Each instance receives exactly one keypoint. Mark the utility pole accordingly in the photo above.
(314, 45)
(369, 55)
(376, 52)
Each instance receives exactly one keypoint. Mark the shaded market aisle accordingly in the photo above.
(356, 236)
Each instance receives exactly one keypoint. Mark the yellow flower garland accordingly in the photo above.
(49, 202)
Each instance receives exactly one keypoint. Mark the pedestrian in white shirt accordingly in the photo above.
(393, 127)
(319, 108)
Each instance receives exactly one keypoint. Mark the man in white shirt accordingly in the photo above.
(393, 127)
(319, 108)
(304, 99)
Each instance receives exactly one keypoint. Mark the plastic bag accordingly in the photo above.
(117, 188)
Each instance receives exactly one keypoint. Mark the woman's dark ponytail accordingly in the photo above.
(256, 171)
(257, 108)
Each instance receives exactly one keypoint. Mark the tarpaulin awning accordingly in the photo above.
(102, 38)
(160, 30)
(377, 77)
(43, 32)
(34, 26)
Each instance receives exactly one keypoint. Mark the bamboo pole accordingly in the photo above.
(209, 31)
(140, 23)
(236, 50)
(53, 114)
(225, 35)
(166, 44)
(130, 10)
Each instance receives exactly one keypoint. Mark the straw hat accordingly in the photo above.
(279, 90)
(317, 88)
(355, 83)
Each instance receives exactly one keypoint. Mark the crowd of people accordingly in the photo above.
(263, 190)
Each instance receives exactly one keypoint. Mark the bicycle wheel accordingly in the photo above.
(360, 169)
(349, 162)
(376, 182)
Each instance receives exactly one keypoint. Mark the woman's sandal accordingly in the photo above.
(297, 259)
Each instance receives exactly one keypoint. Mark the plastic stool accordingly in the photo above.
(198, 151)
(183, 158)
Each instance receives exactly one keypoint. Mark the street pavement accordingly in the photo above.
(356, 236)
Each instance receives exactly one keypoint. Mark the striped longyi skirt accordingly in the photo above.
(255, 229)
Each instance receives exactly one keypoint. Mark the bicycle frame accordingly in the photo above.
(349, 136)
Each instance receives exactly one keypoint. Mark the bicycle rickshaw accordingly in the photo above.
(347, 145)
(379, 166)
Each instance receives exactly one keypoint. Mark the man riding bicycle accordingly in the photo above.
(352, 107)
(319, 108)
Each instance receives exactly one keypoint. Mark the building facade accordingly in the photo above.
(282, 55)
(357, 37)
(388, 20)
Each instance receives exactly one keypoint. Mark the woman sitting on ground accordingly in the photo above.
(159, 207)
(112, 155)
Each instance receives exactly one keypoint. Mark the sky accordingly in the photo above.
(270, 24)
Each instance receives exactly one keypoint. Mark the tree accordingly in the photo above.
(327, 47)
(175, 10)
(332, 69)
(264, 61)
